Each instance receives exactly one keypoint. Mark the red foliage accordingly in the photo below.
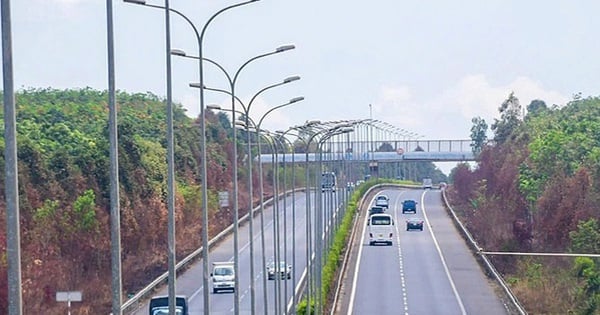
(565, 202)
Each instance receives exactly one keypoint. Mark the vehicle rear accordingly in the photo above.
(382, 201)
(381, 229)
(159, 305)
(328, 181)
(427, 183)
(409, 205)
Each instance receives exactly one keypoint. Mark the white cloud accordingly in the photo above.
(449, 114)
(475, 96)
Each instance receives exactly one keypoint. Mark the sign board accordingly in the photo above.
(68, 296)
(224, 199)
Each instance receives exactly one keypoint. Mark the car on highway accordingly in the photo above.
(376, 209)
(223, 276)
(381, 229)
(382, 201)
(328, 181)
(409, 205)
(427, 183)
(414, 224)
(159, 305)
(281, 270)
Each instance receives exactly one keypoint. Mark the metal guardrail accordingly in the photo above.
(487, 264)
(132, 304)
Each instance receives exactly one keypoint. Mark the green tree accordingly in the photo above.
(510, 113)
(478, 134)
(85, 212)
(536, 107)
(586, 239)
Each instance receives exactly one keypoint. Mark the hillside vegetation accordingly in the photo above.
(536, 189)
(63, 160)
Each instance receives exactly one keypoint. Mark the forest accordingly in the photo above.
(63, 162)
(535, 189)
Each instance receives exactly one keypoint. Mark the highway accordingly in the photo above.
(423, 272)
(190, 282)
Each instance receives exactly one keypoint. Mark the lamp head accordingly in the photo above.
(291, 79)
(196, 85)
(284, 48)
(297, 99)
(213, 107)
(178, 52)
(140, 2)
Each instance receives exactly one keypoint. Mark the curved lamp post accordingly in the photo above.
(250, 184)
(246, 114)
(200, 38)
(283, 134)
(232, 83)
(323, 132)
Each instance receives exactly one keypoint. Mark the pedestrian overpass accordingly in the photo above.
(382, 151)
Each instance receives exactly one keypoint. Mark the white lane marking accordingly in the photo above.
(401, 262)
(357, 267)
(439, 250)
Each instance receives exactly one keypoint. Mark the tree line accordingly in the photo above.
(535, 189)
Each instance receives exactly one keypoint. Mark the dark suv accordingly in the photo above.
(376, 209)
(409, 205)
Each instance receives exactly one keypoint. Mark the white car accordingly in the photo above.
(382, 201)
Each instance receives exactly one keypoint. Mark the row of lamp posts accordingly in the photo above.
(231, 92)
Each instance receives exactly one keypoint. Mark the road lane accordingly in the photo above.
(189, 282)
(424, 272)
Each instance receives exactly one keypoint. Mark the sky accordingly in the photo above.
(428, 67)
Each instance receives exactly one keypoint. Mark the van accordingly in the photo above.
(381, 228)
(328, 181)
(427, 183)
(159, 305)
(223, 276)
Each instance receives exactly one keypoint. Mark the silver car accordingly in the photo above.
(283, 270)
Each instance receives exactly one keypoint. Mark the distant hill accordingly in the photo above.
(63, 160)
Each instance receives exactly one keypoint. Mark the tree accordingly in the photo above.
(510, 113)
(478, 134)
(587, 237)
(536, 107)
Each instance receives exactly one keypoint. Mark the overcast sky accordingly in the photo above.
(425, 66)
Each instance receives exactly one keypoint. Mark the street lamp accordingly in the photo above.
(283, 134)
(200, 38)
(257, 126)
(235, 204)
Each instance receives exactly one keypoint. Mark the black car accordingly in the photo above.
(409, 205)
(414, 224)
(376, 209)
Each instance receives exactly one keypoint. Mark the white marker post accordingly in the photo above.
(68, 296)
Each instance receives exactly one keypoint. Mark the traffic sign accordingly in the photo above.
(400, 151)
(223, 199)
(68, 296)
